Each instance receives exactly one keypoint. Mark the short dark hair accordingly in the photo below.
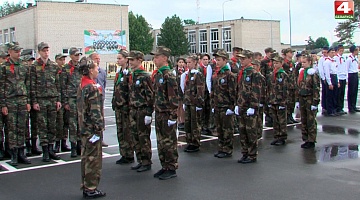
(257, 54)
(205, 54)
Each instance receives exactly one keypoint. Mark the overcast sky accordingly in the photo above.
(309, 17)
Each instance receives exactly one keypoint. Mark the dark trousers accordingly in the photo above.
(341, 95)
(352, 90)
(324, 88)
(332, 95)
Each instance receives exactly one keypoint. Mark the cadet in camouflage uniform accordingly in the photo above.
(266, 68)
(91, 126)
(166, 104)
(15, 102)
(277, 91)
(70, 81)
(290, 69)
(45, 74)
(309, 97)
(3, 57)
(193, 86)
(247, 107)
(206, 112)
(120, 104)
(141, 109)
(62, 128)
(224, 98)
(260, 118)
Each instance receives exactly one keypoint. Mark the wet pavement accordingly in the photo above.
(330, 171)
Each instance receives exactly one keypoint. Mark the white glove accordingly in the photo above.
(94, 138)
(171, 122)
(125, 71)
(269, 106)
(250, 111)
(261, 105)
(281, 107)
(184, 106)
(197, 109)
(236, 110)
(297, 105)
(229, 112)
(212, 110)
(147, 120)
(314, 107)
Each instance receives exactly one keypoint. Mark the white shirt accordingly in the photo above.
(321, 68)
(352, 64)
(330, 67)
(341, 67)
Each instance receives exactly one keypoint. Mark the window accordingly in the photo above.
(203, 41)
(227, 39)
(192, 41)
(65, 51)
(1, 37)
(6, 36)
(157, 38)
(12, 34)
(214, 42)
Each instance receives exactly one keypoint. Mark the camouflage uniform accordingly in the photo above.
(260, 118)
(290, 70)
(91, 124)
(235, 65)
(141, 103)
(277, 91)
(206, 111)
(266, 68)
(309, 95)
(194, 93)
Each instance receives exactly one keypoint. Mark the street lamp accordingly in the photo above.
(223, 32)
(271, 29)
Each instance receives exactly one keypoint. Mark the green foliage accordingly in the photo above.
(173, 36)
(9, 8)
(345, 30)
(140, 35)
(189, 22)
(321, 42)
(310, 44)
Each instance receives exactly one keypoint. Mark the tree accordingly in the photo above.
(345, 30)
(189, 22)
(310, 44)
(173, 36)
(321, 42)
(140, 35)
(9, 8)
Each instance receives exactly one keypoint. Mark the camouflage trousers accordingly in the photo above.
(141, 135)
(125, 138)
(181, 113)
(291, 102)
(280, 121)
(260, 122)
(192, 125)
(61, 128)
(166, 141)
(91, 163)
(33, 125)
(206, 111)
(308, 119)
(46, 120)
(248, 133)
(225, 130)
(4, 132)
(74, 134)
(16, 121)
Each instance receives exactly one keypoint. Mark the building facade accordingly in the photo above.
(62, 25)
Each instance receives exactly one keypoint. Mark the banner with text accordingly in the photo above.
(104, 41)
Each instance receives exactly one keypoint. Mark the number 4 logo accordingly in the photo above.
(344, 9)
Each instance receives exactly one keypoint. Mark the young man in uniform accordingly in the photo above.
(266, 68)
(330, 72)
(260, 118)
(3, 57)
(166, 104)
(206, 112)
(352, 64)
(342, 76)
(324, 86)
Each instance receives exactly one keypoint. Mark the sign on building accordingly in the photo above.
(104, 41)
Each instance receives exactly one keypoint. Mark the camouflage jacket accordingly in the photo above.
(277, 88)
(266, 67)
(14, 81)
(224, 89)
(44, 75)
(166, 94)
(289, 68)
(141, 91)
(248, 88)
(89, 107)
(309, 85)
(121, 90)
(70, 81)
(194, 88)
(263, 89)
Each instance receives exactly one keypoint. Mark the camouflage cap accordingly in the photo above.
(221, 53)
(161, 50)
(59, 55)
(269, 50)
(27, 58)
(74, 51)
(124, 53)
(277, 58)
(13, 46)
(274, 54)
(3, 54)
(246, 54)
(255, 62)
(42, 45)
(237, 49)
(136, 55)
(287, 50)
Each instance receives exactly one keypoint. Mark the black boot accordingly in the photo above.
(78, 148)
(64, 147)
(73, 150)
(34, 149)
(289, 121)
(52, 154)
(28, 148)
(57, 147)
(22, 158)
(7, 150)
(293, 120)
(14, 156)
(46, 157)
(2, 153)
